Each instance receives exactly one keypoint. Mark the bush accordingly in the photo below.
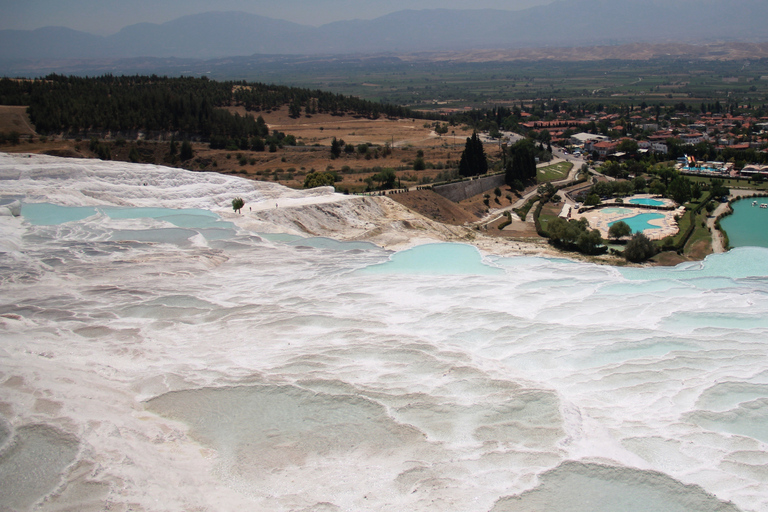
(592, 200)
(639, 248)
(575, 234)
(319, 179)
(619, 229)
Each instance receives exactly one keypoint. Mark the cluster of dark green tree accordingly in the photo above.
(320, 179)
(258, 97)
(195, 108)
(260, 141)
(473, 160)
(639, 248)
(520, 168)
(575, 235)
(12, 137)
(661, 180)
(174, 154)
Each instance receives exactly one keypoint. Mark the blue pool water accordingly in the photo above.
(746, 226)
(646, 201)
(612, 211)
(188, 221)
(46, 214)
(319, 242)
(435, 259)
(640, 222)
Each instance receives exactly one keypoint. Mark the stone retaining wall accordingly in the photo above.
(465, 189)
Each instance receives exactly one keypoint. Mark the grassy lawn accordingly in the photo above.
(522, 212)
(544, 219)
(700, 242)
(733, 182)
(554, 172)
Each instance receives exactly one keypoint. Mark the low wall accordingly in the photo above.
(466, 189)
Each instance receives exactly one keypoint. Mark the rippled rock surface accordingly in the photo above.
(147, 365)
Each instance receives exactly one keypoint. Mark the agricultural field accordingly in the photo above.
(458, 85)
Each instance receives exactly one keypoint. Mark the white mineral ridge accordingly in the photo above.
(198, 372)
(81, 182)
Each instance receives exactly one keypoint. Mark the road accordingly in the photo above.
(559, 156)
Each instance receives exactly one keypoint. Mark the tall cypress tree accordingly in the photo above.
(473, 161)
(522, 164)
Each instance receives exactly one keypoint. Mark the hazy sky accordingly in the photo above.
(106, 17)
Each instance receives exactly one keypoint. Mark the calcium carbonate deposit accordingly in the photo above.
(162, 360)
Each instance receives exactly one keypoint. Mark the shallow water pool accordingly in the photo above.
(435, 259)
(187, 221)
(46, 214)
(746, 226)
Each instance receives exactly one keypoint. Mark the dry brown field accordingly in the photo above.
(288, 165)
(15, 119)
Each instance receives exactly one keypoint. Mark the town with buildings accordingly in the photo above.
(702, 143)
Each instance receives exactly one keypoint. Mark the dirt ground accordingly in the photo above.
(288, 165)
(435, 207)
(15, 119)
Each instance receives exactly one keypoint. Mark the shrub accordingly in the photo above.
(318, 179)
(619, 229)
(639, 248)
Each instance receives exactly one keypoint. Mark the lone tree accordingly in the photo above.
(473, 160)
(319, 179)
(336, 147)
(386, 178)
(619, 229)
(186, 151)
(237, 204)
(679, 190)
(639, 248)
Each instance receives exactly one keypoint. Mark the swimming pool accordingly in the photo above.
(646, 201)
(616, 211)
(640, 222)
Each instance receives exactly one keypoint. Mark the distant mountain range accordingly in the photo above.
(565, 23)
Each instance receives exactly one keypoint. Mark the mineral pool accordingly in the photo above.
(747, 225)
(248, 372)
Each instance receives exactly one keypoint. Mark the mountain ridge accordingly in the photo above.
(566, 23)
